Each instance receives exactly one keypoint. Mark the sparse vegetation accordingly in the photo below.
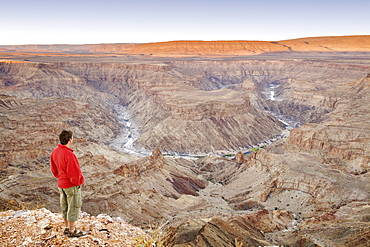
(199, 157)
(6, 204)
(152, 239)
(246, 153)
(210, 179)
(239, 243)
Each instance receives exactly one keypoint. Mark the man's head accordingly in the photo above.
(65, 136)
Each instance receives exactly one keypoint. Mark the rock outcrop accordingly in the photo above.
(236, 231)
(43, 228)
(344, 137)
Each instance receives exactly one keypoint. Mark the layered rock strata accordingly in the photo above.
(319, 173)
(328, 44)
(29, 127)
(316, 159)
(236, 231)
(166, 111)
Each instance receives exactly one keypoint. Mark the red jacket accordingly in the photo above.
(64, 166)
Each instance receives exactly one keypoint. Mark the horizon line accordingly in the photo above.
(190, 40)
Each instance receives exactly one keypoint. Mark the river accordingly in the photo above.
(129, 132)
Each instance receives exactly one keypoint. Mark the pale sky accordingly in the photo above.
(144, 21)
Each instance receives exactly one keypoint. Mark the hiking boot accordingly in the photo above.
(76, 233)
(66, 231)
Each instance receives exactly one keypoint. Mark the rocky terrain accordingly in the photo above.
(241, 151)
(44, 228)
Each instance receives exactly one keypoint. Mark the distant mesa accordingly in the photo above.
(359, 43)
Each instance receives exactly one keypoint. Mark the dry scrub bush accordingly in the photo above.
(6, 204)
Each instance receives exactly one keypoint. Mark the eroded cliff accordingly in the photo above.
(319, 174)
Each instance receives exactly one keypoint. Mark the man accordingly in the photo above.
(64, 166)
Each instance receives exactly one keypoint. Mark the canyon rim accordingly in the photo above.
(261, 143)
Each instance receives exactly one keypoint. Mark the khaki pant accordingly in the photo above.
(70, 203)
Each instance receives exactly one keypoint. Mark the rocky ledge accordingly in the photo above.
(43, 228)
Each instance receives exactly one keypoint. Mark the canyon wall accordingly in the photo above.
(316, 178)
(172, 115)
(206, 96)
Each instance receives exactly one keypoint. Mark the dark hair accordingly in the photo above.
(65, 136)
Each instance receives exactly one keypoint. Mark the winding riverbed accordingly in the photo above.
(124, 141)
(129, 133)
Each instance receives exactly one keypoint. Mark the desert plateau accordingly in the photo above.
(200, 143)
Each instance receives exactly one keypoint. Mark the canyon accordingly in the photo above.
(261, 143)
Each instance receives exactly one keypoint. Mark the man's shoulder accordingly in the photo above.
(62, 149)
